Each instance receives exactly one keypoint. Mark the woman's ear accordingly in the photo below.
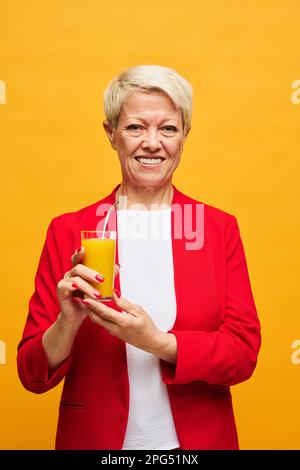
(110, 133)
(187, 133)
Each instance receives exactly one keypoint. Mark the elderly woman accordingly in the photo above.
(152, 368)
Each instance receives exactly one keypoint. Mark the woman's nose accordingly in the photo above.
(152, 140)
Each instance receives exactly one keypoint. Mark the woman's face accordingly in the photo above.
(148, 139)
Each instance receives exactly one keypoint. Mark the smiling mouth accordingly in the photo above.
(149, 161)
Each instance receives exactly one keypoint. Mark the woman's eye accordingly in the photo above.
(138, 129)
(170, 128)
(134, 127)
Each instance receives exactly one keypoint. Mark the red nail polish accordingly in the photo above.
(117, 293)
(97, 295)
(78, 249)
(99, 278)
(75, 285)
(85, 302)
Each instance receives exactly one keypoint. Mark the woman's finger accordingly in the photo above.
(124, 304)
(64, 288)
(77, 256)
(72, 284)
(105, 312)
(86, 273)
(89, 308)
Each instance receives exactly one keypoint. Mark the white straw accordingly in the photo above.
(107, 217)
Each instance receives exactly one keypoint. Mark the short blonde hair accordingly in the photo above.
(148, 78)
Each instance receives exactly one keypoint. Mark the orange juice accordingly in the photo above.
(100, 256)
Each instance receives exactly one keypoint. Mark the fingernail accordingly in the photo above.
(78, 249)
(85, 302)
(117, 293)
(75, 285)
(99, 278)
(97, 295)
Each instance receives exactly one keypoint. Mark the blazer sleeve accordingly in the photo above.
(228, 355)
(43, 310)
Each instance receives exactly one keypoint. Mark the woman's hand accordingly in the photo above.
(77, 280)
(133, 325)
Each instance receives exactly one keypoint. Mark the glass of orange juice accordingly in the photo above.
(100, 252)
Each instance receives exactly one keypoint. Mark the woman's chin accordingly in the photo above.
(149, 180)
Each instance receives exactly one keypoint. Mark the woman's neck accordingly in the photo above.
(147, 198)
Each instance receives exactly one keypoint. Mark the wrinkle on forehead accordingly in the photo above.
(154, 106)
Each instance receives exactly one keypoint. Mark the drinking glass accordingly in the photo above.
(100, 252)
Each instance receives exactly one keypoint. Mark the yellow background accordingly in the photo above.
(242, 155)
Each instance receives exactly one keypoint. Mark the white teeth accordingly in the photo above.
(150, 161)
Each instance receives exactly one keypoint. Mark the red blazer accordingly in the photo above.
(216, 327)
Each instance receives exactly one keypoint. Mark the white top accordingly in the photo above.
(147, 279)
